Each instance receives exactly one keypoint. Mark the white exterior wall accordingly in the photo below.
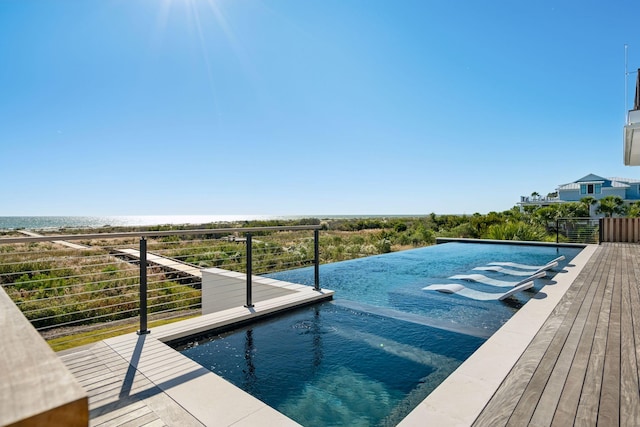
(224, 289)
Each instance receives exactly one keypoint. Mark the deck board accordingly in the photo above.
(609, 409)
(582, 368)
(629, 398)
(558, 375)
(528, 402)
(570, 397)
(634, 276)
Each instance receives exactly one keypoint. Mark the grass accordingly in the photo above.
(89, 337)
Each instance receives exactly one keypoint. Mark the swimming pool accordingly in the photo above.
(328, 365)
(381, 347)
(394, 282)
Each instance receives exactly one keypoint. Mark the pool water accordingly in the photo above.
(394, 282)
(327, 365)
(375, 352)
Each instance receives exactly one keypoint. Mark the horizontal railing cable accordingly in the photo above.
(58, 278)
(138, 234)
(65, 291)
(75, 294)
(93, 318)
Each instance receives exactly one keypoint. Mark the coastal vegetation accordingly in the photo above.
(54, 287)
(61, 289)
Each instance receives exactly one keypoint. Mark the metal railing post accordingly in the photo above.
(316, 260)
(557, 230)
(600, 230)
(143, 287)
(249, 272)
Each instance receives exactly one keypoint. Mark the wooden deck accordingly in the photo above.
(582, 366)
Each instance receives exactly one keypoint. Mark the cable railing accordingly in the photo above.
(577, 230)
(67, 285)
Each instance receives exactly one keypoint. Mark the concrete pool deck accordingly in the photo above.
(133, 380)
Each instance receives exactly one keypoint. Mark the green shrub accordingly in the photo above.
(516, 231)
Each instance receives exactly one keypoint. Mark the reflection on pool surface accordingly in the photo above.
(329, 365)
(382, 346)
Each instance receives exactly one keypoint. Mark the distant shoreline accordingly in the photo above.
(57, 222)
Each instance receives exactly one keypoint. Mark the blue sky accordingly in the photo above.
(303, 107)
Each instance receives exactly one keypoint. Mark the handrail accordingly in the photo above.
(139, 238)
(132, 234)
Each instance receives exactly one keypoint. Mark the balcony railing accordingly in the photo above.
(529, 199)
(69, 284)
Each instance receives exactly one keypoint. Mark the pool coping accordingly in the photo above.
(303, 295)
(460, 399)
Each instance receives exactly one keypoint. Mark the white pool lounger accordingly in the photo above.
(477, 295)
(481, 278)
(525, 266)
(516, 272)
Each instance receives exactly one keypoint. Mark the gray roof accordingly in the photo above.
(627, 180)
(616, 182)
(591, 178)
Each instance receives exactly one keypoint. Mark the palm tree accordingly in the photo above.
(611, 205)
(634, 210)
(589, 201)
(547, 215)
(574, 210)
(535, 195)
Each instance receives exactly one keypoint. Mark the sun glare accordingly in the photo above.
(198, 15)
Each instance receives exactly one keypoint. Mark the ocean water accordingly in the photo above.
(54, 222)
(48, 222)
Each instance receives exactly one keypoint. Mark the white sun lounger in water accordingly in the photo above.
(481, 278)
(477, 295)
(525, 266)
(516, 272)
